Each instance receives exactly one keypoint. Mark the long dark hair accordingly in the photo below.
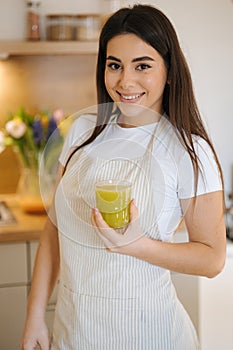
(179, 104)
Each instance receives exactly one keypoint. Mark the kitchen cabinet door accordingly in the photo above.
(13, 294)
(13, 263)
(12, 316)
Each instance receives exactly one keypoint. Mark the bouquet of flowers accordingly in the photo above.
(29, 133)
(37, 139)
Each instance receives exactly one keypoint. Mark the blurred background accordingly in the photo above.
(48, 52)
(49, 81)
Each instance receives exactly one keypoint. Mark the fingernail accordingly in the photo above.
(96, 211)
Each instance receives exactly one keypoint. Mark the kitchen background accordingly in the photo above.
(205, 29)
(50, 79)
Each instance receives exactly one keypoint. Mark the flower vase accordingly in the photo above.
(29, 196)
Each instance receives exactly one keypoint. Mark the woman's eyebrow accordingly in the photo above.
(143, 58)
(137, 59)
(112, 58)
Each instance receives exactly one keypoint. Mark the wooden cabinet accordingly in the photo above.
(16, 265)
(13, 301)
(13, 293)
(13, 264)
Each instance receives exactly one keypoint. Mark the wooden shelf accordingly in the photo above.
(24, 48)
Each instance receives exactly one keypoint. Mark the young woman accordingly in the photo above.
(115, 290)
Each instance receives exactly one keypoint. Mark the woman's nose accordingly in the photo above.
(127, 79)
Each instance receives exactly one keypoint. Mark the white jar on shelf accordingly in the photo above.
(60, 27)
(88, 27)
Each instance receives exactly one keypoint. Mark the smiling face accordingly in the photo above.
(135, 77)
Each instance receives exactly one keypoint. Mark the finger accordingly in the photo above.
(98, 219)
(93, 218)
(44, 344)
(108, 244)
(28, 344)
(100, 233)
(105, 238)
(133, 211)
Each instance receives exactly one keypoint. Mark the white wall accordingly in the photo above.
(205, 29)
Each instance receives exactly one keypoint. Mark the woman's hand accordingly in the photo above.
(127, 243)
(35, 334)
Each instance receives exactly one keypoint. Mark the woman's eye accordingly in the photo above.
(143, 66)
(114, 66)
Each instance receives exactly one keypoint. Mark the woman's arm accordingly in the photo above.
(203, 255)
(45, 276)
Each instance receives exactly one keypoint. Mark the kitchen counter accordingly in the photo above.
(27, 227)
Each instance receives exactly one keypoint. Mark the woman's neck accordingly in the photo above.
(139, 120)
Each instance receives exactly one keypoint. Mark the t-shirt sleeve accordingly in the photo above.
(80, 130)
(209, 179)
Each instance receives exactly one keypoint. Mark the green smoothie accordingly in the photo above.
(112, 200)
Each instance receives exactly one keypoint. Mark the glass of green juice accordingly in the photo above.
(113, 200)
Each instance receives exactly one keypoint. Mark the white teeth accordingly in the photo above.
(131, 97)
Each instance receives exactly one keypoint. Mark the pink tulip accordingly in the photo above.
(58, 115)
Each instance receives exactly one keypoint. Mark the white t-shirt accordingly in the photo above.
(172, 170)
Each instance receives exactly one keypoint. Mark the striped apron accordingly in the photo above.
(109, 301)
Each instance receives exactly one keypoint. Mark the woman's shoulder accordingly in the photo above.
(204, 151)
(81, 127)
(82, 123)
(172, 146)
(170, 136)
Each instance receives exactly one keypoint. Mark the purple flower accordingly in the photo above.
(37, 130)
(51, 127)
